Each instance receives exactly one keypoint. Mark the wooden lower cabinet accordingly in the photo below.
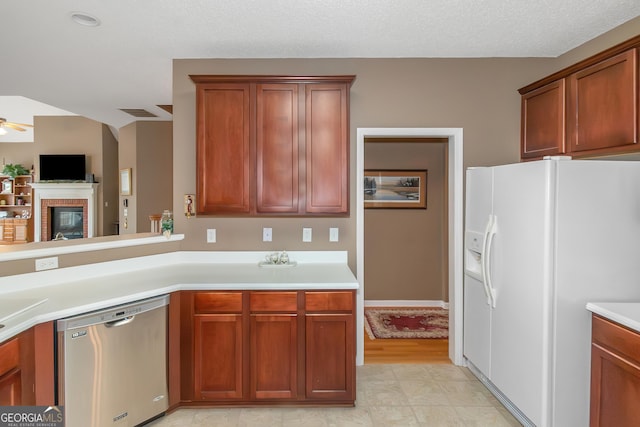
(260, 347)
(330, 370)
(10, 373)
(219, 340)
(274, 345)
(330, 345)
(26, 368)
(615, 375)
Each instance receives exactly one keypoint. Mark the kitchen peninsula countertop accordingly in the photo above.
(33, 298)
(624, 313)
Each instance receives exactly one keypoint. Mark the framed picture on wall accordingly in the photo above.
(125, 182)
(395, 189)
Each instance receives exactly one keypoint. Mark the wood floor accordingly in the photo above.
(405, 350)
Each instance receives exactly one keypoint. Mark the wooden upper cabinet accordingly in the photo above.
(603, 101)
(543, 126)
(327, 148)
(587, 109)
(277, 148)
(222, 150)
(272, 145)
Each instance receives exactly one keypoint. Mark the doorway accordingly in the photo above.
(453, 138)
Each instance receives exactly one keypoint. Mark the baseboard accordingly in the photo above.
(406, 303)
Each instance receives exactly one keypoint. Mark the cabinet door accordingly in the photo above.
(615, 374)
(615, 389)
(274, 344)
(330, 352)
(222, 149)
(543, 125)
(277, 148)
(10, 376)
(274, 356)
(218, 356)
(327, 148)
(330, 345)
(20, 231)
(10, 388)
(602, 104)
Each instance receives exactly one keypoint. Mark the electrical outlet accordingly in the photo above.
(267, 234)
(46, 263)
(306, 234)
(334, 234)
(211, 235)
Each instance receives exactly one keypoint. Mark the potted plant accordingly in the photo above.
(14, 170)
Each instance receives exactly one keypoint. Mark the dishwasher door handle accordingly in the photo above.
(119, 322)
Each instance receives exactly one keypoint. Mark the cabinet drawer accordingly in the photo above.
(273, 301)
(9, 356)
(218, 302)
(329, 301)
(614, 336)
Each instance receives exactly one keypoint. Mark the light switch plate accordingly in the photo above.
(306, 234)
(267, 234)
(334, 234)
(211, 235)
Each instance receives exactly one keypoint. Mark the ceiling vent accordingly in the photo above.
(138, 112)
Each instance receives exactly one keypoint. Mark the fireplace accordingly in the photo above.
(67, 208)
(66, 222)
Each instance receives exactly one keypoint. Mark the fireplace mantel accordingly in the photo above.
(85, 191)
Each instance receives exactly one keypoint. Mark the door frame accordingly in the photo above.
(455, 227)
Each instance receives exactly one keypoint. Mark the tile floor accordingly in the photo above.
(387, 395)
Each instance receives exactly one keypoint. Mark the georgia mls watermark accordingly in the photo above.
(31, 416)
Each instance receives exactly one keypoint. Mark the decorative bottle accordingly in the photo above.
(167, 223)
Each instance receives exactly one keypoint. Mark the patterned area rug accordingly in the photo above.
(431, 322)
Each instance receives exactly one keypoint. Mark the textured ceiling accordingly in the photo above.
(126, 61)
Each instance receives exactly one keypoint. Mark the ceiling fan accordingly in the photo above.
(4, 125)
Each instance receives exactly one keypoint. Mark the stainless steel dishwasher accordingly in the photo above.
(112, 365)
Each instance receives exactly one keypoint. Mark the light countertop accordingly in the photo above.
(625, 313)
(33, 298)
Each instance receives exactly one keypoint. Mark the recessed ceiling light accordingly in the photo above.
(85, 19)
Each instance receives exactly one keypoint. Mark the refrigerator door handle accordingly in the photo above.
(492, 228)
(484, 256)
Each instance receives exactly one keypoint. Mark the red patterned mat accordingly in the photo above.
(431, 322)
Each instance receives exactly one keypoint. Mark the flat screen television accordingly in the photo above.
(62, 167)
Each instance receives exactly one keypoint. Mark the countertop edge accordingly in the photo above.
(624, 313)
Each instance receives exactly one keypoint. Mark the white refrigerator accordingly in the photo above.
(542, 239)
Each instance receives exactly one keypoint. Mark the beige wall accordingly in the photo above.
(17, 153)
(109, 182)
(405, 249)
(127, 160)
(147, 148)
(154, 182)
